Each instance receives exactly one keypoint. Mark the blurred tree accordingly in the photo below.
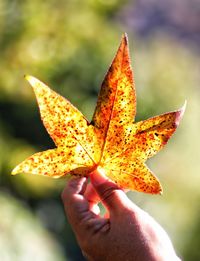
(180, 19)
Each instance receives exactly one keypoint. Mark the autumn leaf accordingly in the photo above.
(112, 141)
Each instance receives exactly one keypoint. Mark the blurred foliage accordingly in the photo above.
(69, 45)
(22, 235)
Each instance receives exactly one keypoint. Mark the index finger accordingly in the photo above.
(73, 199)
(93, 198)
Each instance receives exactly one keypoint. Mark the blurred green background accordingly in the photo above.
(69, 45)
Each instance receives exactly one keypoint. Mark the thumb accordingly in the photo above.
(113, 197)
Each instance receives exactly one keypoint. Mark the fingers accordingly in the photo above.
(91, 194)
(78, 211)
(110, 194)
(93, 199)
(73, 199)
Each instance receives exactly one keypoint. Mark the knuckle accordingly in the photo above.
(107, 192)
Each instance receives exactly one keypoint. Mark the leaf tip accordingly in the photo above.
(158, 190)
(179, 113)
(125, 37)
(32, 80)
(184, 107)
(26, 76)
(124, 40)
(15, 171)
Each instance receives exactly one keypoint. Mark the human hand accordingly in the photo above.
(125, 233)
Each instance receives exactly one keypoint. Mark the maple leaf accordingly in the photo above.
(112, 141)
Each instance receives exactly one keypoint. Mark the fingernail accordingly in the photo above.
(98, 177)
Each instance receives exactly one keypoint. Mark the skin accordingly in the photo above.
(126, 232)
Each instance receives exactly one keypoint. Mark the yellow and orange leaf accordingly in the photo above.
(112, 141)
